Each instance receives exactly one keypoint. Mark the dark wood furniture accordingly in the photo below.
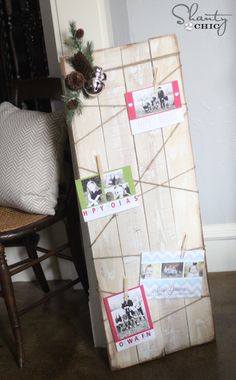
(22, 47)
(20, 228)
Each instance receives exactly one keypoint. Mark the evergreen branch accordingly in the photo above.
(88, 51)
(72, 97)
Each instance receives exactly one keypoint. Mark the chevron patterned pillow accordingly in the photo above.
(31, 144)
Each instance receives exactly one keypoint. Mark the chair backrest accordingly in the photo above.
(23, 90)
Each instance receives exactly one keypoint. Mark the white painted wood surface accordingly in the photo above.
(163, 169)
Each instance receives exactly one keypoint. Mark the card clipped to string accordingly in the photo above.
(129, 318)
(154, 107)
(172, 274)
(106, 193)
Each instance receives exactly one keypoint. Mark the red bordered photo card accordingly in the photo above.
(129, 318)
(151, 108)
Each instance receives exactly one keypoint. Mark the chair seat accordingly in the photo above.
(11, 220)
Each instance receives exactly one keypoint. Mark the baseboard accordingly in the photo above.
(225, 231)
(220, 241)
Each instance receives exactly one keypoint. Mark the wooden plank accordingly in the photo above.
(132, 223)
(163, 45)
(124, 359)
(174, 331)
(110, 272)
(164, 173)
(103, 236)
(200, 321)
(160, 221)
(108, 58)
(154, 348)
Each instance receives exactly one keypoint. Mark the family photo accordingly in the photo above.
(127, 313)
(150, 101)
(172, 270)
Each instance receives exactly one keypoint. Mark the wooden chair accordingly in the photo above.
(20, 228)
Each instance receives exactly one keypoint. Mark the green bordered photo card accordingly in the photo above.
(102, 196)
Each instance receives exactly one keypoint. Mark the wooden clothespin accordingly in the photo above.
(63, 66)
(183, 250)
(125, 287)
(99, 166)
(156, 79)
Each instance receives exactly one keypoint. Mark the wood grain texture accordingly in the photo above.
(164, 173)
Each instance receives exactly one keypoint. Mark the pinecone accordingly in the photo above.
(72, 104)
(74, 80)
(82, 65)
(79, 33)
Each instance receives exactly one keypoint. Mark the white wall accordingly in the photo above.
(91, 15)
(209, 78)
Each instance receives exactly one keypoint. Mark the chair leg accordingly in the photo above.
(9, 298)
(30, 245)
(77, 255)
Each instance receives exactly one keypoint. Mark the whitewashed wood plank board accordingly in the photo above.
(164, 173)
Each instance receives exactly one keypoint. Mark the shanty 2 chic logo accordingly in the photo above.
(191, 18)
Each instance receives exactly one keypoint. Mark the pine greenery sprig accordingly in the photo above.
(76, 43)
(88, 51)
(73, 104)
(72, 42)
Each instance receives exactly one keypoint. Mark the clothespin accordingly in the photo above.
(125, 287)
(156, 79)
(183, 250)
(62, 66)
(99, 166)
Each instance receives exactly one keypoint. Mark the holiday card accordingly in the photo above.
(112, 193)
(129, 318)
(151, 108)
(172, 274)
